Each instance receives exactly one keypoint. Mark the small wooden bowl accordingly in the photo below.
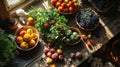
(25, 28)
(105, 10)
(85, 29)
(75, 30)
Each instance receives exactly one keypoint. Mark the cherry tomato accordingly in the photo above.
(64, 5)
(71, 4)
(58, 4)
(71, 9)
(66, 10)
(61, 1)
(53, 2)
(46, 25)
(89, 43)
(68, 5)
(84, 36)
(60, 9)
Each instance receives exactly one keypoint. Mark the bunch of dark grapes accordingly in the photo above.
(87, 18)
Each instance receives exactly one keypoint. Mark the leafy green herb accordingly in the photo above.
(47, 16)
(7, 48)
(52, 25)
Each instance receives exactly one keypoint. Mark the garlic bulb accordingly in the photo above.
(22, 15)
(21, 12)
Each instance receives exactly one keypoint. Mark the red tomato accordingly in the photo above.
(68, 5)
(71, 9)
(46, 25)
(71, 4)
(89, 43)
(60, 9)
(66, 10)
(84, 36)
(64, 5)
(54, 2)
(58, 4)
(61, 1)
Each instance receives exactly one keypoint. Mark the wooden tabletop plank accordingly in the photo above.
(113, 27)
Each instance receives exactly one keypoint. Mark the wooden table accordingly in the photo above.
(108, 28)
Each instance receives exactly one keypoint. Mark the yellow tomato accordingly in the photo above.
(34, 36)
(32, 42)
(19, 39)
(30, 20)
(24, 45)
(29, 31)
(53, 65)
(27, 37)
(59, 51)
(49, 60)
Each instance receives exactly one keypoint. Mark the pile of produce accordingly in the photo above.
(51, 24)
(65, 6)
(53, 54)
(27, 37)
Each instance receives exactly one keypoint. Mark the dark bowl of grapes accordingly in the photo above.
(87, 19)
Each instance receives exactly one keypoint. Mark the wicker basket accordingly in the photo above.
(85, 29)
(24, 28)
(75, 30)
(105, 10)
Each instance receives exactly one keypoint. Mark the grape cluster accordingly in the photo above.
(87, 18)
